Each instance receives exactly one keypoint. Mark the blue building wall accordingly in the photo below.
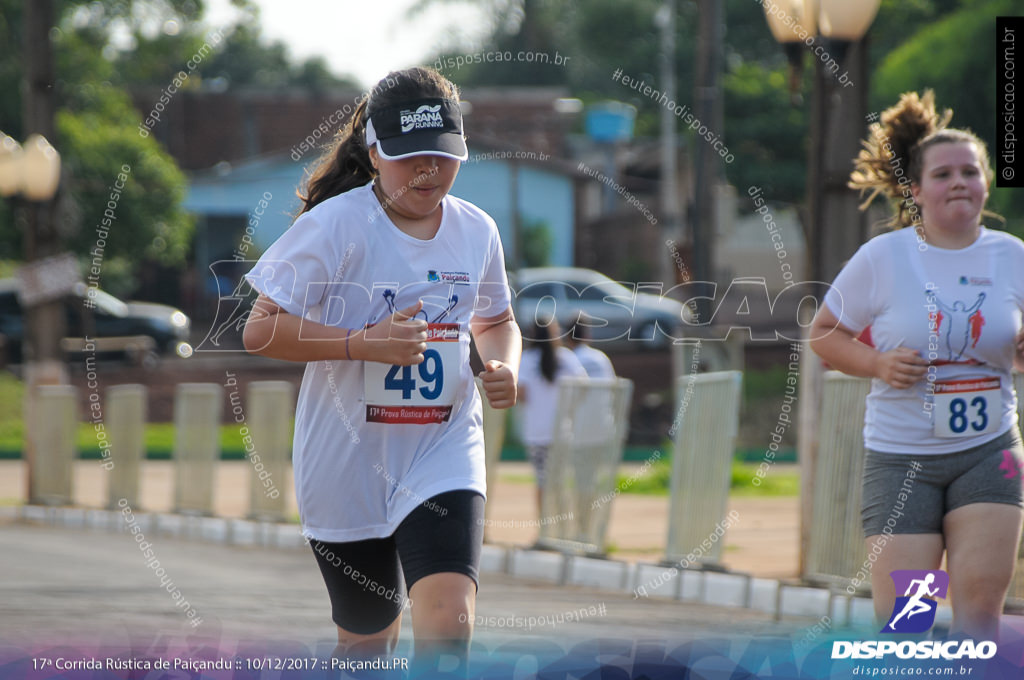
(542, 195)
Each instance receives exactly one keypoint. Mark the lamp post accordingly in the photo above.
(33, 173)
(30, 176)
(707, 163)
(665, 20)
(834, 31)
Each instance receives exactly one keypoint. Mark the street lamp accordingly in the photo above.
(30, 176)
(41, 164)
(32, 171)
(10, 166)
(788, 20)
(834, 226)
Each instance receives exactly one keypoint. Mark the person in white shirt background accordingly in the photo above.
(377, 286)
(545, 360)
(595, 362)
(943, 295)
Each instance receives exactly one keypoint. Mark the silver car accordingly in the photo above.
(618, 315)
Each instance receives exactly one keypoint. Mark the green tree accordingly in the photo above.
(765, 131)
(537, 243)
(149, 219)
(96, 133)
(97, 127)
(963, 78)
(769, 143)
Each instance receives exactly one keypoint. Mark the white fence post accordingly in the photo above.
(197, 412)
(269, 419)
(125, 423)
(55, 427)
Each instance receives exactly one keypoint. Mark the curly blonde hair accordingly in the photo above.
(893, 154)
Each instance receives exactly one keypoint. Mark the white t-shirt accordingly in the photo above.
(537, 415)
(373, 441)
(961, 310)
(595, 362)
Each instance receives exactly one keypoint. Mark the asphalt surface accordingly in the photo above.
(93, 598)
(89, 587)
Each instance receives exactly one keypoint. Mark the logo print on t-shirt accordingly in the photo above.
(963, 324)
(452, 300)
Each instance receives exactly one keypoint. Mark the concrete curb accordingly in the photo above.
(725, 589)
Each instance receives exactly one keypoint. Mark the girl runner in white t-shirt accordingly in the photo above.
(943, 299)
(377, 286)
(545, 360)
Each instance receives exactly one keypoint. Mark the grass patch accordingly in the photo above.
(656, 482)
(159, 441)
(781, 480)
(159, 437)
(778, 481)
(12, 428)
(516, 478)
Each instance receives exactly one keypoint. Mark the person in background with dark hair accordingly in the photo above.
(595, 362)
(944, 457)
(377, 285)
(545, 360)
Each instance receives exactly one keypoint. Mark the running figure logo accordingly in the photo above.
(963, 323)
(428, 300)
(914, 612)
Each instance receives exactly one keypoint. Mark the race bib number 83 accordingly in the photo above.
(420, 394)
(967, 407)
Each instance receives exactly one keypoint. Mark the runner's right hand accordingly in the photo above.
(399, 339)
(900, 367)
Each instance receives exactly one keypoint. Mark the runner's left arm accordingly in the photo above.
(500, 345)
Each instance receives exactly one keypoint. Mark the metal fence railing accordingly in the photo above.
(705, 425)
(835, 548)
(591, 423)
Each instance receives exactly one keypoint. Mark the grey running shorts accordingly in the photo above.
(917, 503)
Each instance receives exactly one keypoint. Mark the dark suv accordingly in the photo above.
(138, 331)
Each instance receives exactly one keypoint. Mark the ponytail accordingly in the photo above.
(346, 164)
(545, 336)
(893, 155)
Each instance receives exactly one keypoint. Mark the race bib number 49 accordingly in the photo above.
(967, 407)
(420, 394)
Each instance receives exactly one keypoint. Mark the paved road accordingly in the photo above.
(88, 596)
(85, 587)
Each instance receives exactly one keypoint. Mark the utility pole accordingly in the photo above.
(708, 108)
(836, 228)
(671, 208)
(44, 321)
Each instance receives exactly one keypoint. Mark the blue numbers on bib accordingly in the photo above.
(435, 375)
(431, 372)
(958, 415)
